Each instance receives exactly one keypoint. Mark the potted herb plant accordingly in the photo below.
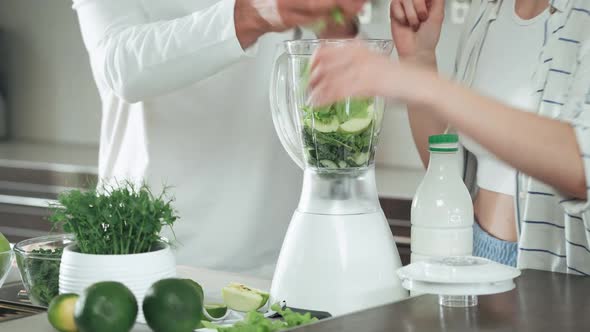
(117, 238)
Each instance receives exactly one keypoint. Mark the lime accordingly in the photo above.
(197, 286)
(216, 310)
(106, 306)
(243, 298)
(173, 305)
(4, 244)
(5, 259)
(61, 312)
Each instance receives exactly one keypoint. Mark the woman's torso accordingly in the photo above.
(505, 72)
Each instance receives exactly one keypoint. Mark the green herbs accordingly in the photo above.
(255, 322)
(337, 17)
(114, 221)
(40, 270)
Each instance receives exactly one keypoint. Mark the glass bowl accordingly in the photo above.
(38, 261)
(6, 258)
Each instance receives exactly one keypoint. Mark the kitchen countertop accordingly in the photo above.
(542, 301)
(68, 158)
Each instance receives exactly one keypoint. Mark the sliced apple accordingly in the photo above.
(242, 298)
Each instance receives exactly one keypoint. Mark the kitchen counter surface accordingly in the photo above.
(70, 158)
(542, 301)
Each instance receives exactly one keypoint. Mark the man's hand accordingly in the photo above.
(415, 27)
(253, 18)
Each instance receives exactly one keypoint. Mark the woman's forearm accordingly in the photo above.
(543, 148)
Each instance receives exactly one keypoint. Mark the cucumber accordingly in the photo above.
(328, 164)
(323, 126)
(358, 125)
(361, 158)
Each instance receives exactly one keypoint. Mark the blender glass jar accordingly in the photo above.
(338, 137)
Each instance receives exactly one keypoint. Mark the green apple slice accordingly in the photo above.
(358, 125)
(328, 126)
(242, 298)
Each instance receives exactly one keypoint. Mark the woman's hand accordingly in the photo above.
(338, 72)
(416, 27)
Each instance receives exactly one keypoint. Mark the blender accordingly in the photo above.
(339, 254)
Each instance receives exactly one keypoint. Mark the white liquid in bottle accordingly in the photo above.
(442, 209)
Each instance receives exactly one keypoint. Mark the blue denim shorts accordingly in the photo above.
(487, 246)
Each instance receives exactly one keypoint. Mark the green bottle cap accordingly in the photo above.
(445, 138)
(444, 143)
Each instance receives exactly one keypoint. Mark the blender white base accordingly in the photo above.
(338, 263)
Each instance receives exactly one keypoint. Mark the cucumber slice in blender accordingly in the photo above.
(323, 126)
(357, 125)
(328, 164)
(361, 158)
(239, 297)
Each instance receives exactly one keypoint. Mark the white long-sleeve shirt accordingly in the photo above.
(185, 106)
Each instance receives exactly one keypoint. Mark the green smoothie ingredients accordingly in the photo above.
(173, 305)
(114, 220)
(40, 270)
(340, 135)
(239, 297)
(255, 321)
(106, 306)
(61, 312)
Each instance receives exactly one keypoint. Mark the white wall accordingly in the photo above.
(44, 72)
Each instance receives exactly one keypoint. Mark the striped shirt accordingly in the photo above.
(554, 230)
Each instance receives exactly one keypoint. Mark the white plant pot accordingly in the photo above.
(137, 271)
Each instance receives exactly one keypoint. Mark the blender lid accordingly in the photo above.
(458, 270)
(458, 289)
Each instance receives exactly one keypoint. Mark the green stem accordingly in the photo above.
(328, 138)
